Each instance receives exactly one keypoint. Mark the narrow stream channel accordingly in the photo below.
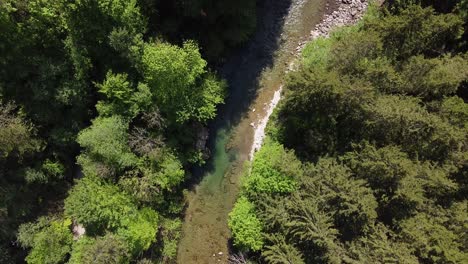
(253, 73)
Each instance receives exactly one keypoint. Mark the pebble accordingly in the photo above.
(348, 12)
(220, 253)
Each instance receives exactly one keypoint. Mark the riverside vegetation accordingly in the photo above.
(366, 158)
(117, 87)
(104, 103)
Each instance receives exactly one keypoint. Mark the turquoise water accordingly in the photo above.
(222, 158)
(253, 74)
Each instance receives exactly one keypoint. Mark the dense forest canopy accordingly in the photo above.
(103, 104)
(101, 107)
(367, 156)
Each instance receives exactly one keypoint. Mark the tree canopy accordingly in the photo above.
(101, 107)
(373, 125)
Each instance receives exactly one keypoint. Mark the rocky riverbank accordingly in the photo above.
(347, 12)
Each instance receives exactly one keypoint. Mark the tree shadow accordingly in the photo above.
(242, 70)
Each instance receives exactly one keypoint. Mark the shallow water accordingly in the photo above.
(254, 73)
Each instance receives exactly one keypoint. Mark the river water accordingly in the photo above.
(254, 72)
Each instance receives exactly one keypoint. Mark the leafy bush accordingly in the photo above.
(110, 249)
(50, 241)
(98, 206)
(245, 226)
(274, 170)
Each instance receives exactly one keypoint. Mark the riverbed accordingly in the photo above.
(254, 73)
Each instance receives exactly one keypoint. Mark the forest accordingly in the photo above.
(102, 103)
(366, 157)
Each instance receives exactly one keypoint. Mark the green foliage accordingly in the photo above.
(316, 53)
(50, 241)
(392, 176)
(274, 170)
(179, 82)
(88, 42)
(5, 257)
(281, 252)
(171, 232)
(379, 247)
(60, 61)
(48, 172)
(170, 172)
(245, 226)
(353, 55)
(377, 116)
(455, 110)
(434, 242)
(101, 206)
(27, 231)
(462, 9)
(37, 72)
(159, 171)
(309, 224)
(53, 168)
(98, 206)
(121, 98)
(351, 201)
(217, 26)
(433, 78)
(106, 141)
(402, 120)
(336, 104)
(139, 230)
(109, 248)
(416, 30)
(16, 135)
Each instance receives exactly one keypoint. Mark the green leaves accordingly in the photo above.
(16, 134)
(433, 78)
(281, 252)
(245, 226)
(140, 230)
(50, 241)
(274, 170)
(377, 115)
(105, 249)
(103, 207)
(416, 30)
(98, 206)
(349, 200)
(435, 243)
(106, 141)
(179, 82)
(121, 97)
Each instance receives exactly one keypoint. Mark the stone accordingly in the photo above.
(78, 231)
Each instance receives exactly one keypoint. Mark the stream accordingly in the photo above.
(254, 73)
